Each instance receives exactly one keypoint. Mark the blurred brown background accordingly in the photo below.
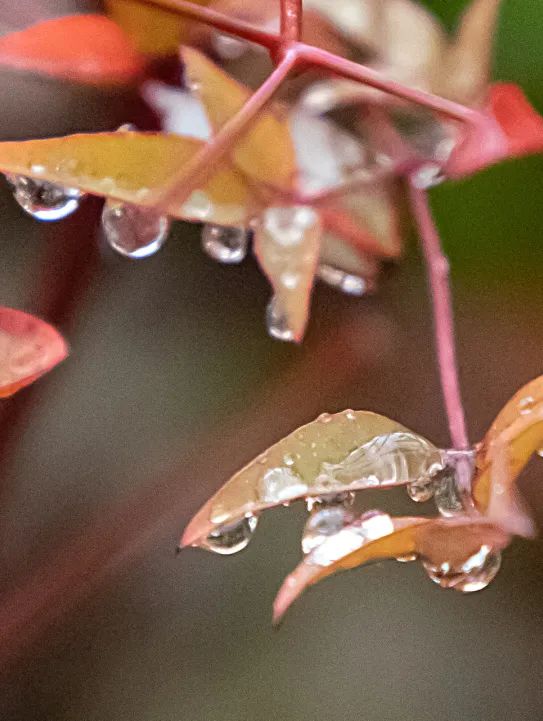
(172, 384)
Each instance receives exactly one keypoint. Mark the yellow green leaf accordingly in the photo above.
(133, 167)
(287, 245)
(265, 152)
(347, 451)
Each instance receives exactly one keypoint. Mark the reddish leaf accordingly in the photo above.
(29, 347)
(80, 48)
(521, 123)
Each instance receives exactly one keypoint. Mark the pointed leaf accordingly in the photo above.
(514, 436)
(80, 48)
(287, 244)
(265, 152)
(132, 167)
(467, 64)
(346, 451)
(375, 537)
(521, 123)
(29, 347)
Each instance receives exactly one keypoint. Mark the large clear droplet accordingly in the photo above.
(43, 200)
(134, 231)
(323, 523)
(421, 491)
(446, 495)
(277, 322)
(232, 538)
(340, 280)
(225, 244)
(475, 573)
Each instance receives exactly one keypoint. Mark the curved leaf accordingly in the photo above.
(513, 437)
(439, 541)
(346, 451)
(133, 167)
(29, 347)
(80, 48)
(265, 152)
(287, 245)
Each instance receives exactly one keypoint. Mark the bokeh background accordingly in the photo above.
(173, 383)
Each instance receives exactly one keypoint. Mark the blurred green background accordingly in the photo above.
(172, 384)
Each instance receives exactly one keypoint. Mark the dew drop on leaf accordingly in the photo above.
(421, 491)
(340, 280)
(446, 495)
(225, 244)
(43, 200)
(277, 322)
(475, 574)
(134, 231)
(232, 538)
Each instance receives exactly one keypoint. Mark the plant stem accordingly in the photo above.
(291, 22)
(227, 24)
(438, 276)
(203, 164)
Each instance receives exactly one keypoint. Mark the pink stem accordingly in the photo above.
(363, 74)
(291, 22)
(203, 165)
(227, 24)
(438, 276)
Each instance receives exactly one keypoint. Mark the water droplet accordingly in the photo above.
(281, 484)
(408, 558)
(475, 573)
(421, 491)
(350, 415)
(446, 495)
(277, 322)
(323, 523)
(43, 200)
(288, 459)
(134, 231)
(228, 47)
(342, 281)
(231, 538)
(225, 245)
(526, 405)
(287, 225)
(324, 418)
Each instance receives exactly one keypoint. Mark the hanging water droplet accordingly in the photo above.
(232, 538)
(421, 491)
(277, 322)
(43, 200)
(342, 281)
(225, 244)
(134, 231)
(446, 495)
(323, 523)
(476, 573)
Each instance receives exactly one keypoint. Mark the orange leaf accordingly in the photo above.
(29, 347)
(265, 152)
(80, 48)
(132, 167)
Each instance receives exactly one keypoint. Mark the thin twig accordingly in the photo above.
(291, 22)
(438, 277)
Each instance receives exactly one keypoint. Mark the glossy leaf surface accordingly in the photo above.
(29, 347)
(130, 166)
(346, 451)
(79, 48)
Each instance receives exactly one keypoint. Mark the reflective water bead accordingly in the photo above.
(276, 322)
(475, 574)
(421, 491)
(446, 495)
(134, 231)
(43, 200)
(225, 244)
(342, 281)
(287, 225)
(323, 523)
(232, 538)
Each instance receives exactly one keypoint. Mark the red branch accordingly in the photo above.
(438, 277)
